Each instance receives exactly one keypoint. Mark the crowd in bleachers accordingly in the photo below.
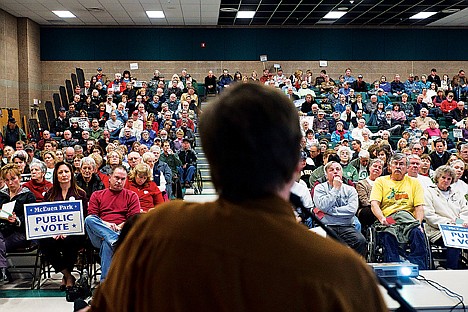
(148, 128)
(362, 127)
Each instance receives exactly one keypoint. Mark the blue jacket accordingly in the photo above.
(224, 80)
(384, 99)
(397, 87)
(339, 107)
(128, 142)
(148, 143)
(121, 115)
(410, 86)
(335, 137)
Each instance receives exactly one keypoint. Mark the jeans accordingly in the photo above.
(352, 237)
(186, 175)
(452, 255)
(418, 248)
(104, 238)
(11, 242)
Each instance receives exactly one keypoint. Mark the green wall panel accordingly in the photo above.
(246, 44)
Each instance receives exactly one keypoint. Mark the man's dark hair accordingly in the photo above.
(251, 138)
(112, 170)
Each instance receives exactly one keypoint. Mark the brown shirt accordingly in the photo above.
(224, 257)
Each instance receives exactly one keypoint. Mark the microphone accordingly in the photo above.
(296, 201)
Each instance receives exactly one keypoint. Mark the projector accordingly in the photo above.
(395, 269)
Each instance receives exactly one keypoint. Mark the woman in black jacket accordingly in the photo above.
(12, 230)
(87, 179)
(62, 250)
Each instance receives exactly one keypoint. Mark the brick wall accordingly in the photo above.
(54, 73)
(29, 64)
(9, 81)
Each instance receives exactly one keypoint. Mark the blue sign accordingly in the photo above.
(49, 219)
(454, 235)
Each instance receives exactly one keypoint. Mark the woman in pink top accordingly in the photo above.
(398, 114)
(433, 131)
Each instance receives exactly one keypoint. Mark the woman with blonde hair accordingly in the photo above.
(12, 230)
(140, 181)
(402, 144)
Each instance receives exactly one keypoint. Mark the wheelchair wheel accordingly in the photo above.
(371, 244)
(198, 182)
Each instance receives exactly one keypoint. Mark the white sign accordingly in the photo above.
(263, 58)
(454, 235)
(323, 63)
(276, 65)
(133, 66)
(7, 210)
(83, 122)
(54, 218)
(457, 133)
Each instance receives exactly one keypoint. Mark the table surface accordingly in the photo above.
(425, 297)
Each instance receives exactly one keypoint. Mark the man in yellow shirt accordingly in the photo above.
(397, 202)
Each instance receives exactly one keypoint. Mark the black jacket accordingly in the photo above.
(188, 157)
(437, 161)
(60, 125)
(25, 196)
(90, 187)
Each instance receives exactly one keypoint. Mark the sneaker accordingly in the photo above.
(3, 276)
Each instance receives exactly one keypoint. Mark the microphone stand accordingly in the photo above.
(392, 291)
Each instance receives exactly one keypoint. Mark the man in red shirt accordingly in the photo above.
(448, 104)
(108, 210)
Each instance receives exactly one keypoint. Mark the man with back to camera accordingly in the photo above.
(245, 251)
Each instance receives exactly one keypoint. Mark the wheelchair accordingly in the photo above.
(197, 183)
(179, 190)
(376, 251)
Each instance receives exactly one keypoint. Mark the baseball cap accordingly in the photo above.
(99, 69)
(303, 155)
(359, 76)
(62, 109)
(379, 90)
(444, 131)
(28, 148)
(12, 120)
